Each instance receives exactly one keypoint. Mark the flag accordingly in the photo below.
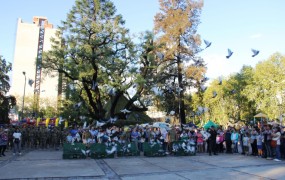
(47, 122)
(38, 121)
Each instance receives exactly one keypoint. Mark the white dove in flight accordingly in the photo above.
(230, 53)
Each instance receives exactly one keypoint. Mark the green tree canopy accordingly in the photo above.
(98, 61)
(6, 102)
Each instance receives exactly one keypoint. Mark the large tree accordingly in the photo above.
(98, 61)
(267, 89)
(6, 102)
(176, 28)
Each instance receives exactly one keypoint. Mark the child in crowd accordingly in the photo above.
(259, 144)
(69, 138)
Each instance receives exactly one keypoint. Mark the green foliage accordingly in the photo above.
(246, 93)
(6, 102)
(267, 89)
(4, 77)
(99, 62)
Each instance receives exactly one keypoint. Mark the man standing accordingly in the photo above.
(212, 141)
(171, 137)
(243, 131)
(228, 140)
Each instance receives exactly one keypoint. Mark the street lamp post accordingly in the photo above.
(280, 113)
(24, 73)
(280, 102)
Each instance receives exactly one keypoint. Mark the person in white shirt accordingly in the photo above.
(17, 142)
(259, 139)
(276, 137)
(246, 143)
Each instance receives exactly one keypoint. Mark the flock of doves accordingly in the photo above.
(230, 52)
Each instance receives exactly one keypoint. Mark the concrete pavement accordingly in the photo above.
(49, 165)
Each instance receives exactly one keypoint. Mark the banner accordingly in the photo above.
(56, 122)
(47, 122)
(38, 121)
(65, 124)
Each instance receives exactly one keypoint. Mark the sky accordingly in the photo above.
(238, 25)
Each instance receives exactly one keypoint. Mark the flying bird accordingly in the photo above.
(71, 87)
(114, 148)
(112, 91)
(99, 124)
(94, 85)
(157, 91)
(60, 120)
(233, 91)
(31, 82)
(198, 62)
(77, 105)
(175, 148)
(184, 146)
(220, 81)
(148, 102)
(179, 89)
(198, 113)
(112, 120)
(255, 52)
(160, 56)
(203, 88)
(85, 152)
(214, 94)
(200, 109)
(125, 111)
(205, 79)
(167, 120)
(172, 112)
(230, 53)
(208, 44)
(84, 125)
(82, 117)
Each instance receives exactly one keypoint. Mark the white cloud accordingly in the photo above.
(256, 36)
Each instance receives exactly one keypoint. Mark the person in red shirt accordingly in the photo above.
(200, 141)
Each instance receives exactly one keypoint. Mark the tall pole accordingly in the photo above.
(280, 113)
(22, 116)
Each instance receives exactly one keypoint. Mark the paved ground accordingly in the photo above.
(49, 165)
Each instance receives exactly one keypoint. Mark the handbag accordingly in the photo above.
(273, 143)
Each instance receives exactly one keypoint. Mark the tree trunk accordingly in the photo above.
(181, 93)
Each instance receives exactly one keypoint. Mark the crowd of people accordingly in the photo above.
(267, 141)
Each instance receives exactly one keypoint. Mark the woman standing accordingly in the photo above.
(3, 142)
(200, 141)
(235, 138)
(17, 141)
(253, 142)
